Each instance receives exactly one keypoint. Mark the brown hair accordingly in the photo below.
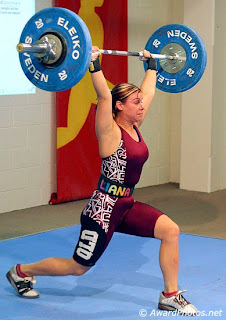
(121, 92)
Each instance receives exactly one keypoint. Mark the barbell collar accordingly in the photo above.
(33, 48)
(42, 49)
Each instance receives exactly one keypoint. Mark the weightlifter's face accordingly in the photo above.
(133, 106)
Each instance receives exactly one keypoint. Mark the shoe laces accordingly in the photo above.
(30, 279)
(180, 299)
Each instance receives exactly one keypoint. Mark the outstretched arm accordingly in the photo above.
(149, 83)
(104, 118)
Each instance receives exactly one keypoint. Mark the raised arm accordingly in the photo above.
(148, 84)
(104, 118)
(108, 133)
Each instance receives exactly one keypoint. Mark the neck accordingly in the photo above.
(128, 126)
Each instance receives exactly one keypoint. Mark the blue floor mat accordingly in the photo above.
(125, 280)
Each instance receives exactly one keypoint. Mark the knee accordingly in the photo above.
(77, 269)
(172, 232)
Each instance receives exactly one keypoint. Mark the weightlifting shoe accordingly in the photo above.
(23, 286)
(177, 303)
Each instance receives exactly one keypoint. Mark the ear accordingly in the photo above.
(119, 105)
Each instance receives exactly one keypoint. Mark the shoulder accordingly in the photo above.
(108, 143)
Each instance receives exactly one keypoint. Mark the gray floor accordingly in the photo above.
(195, 212)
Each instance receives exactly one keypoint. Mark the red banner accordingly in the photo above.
(78, 161)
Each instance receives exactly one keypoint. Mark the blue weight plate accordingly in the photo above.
(184, 76)
(73, 32)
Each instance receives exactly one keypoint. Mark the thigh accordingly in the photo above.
(140, 220)
(91, 243)
(97, 228)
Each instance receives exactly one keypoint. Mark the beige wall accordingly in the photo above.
(195, 163)
(27, 146)
(203, 108)
(218, 172)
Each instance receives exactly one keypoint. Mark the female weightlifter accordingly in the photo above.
(112, 206)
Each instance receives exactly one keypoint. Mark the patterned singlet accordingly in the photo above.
(104, 214)
(123, 166)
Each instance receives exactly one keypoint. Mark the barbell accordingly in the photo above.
(55, 51)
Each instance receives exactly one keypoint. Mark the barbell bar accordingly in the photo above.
(44, 48)
(55, 50)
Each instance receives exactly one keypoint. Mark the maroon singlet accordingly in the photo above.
(104, 214)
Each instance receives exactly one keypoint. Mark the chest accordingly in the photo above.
(136, 150)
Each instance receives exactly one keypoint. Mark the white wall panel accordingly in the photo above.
(27, 147)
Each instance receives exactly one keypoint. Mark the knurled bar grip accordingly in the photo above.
(120, 53)
(42, 48)
(139, 54)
